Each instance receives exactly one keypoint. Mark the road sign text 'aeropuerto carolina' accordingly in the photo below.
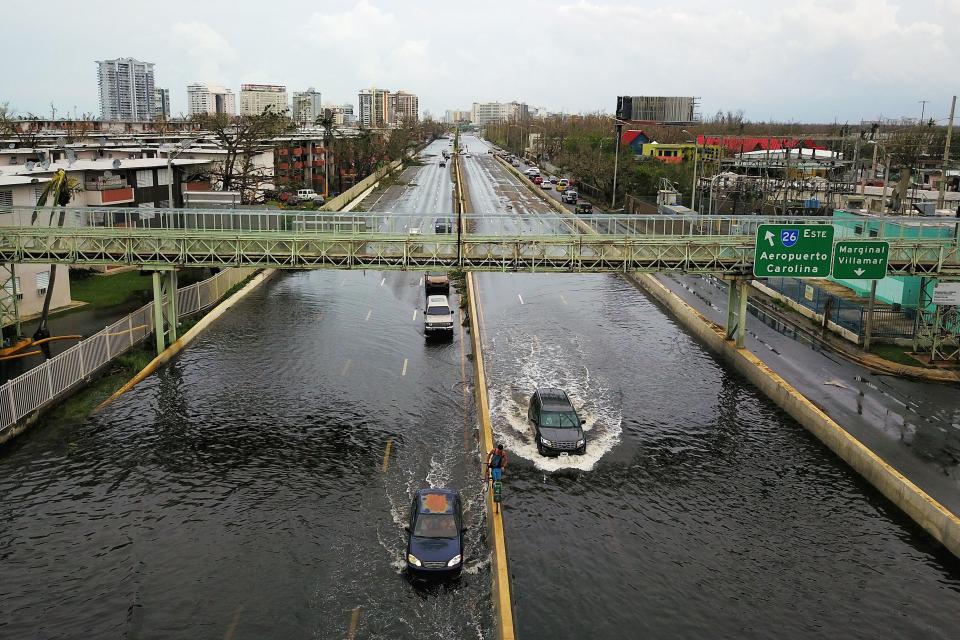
(798, 251)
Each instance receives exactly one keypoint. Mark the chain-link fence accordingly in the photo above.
(889, 321)
(45, 383)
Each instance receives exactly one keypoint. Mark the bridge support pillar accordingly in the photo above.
(165, 307)
(736, 326)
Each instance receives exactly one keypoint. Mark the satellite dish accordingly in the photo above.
(34, 180)
(102, 141)
(61, 141)
(11, 145)
(45, 164)
(30, 165)
(116, 164)
(108, 174)
(71, 155)
(186, 144)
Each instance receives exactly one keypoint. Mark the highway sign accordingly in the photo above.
(946, 293)
(860, 260)
(794, 250)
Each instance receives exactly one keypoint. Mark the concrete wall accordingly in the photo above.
(344, 198)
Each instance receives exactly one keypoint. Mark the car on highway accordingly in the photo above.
(437, 316)
(443, 162)
(515, 162)
(436, 282)
(545, 184)
(584, 208)
(553, 179)
(562, 184)
(532, 171)
(443, 225)
(558, 430)
(570, 196)
(537, 180)
(435, 535)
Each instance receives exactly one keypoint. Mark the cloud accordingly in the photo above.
(208, 51)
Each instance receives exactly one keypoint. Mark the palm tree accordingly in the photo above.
(326, 121)
(59, 191)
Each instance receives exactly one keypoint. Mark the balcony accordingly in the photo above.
(108, 197)
(102, 183)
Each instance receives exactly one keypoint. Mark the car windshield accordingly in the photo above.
(559, 419)
(436, 525)
(438, 311)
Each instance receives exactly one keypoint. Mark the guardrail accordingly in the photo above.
(33, 390)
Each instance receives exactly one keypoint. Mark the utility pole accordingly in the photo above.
(616, 162)
(941, 200)
(786, 176)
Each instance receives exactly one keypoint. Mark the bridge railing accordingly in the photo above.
(53, 378)
(353, 224)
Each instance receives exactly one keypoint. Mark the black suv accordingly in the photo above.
(557, 427)
(443, 225)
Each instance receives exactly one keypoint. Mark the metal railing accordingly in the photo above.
(46, 382)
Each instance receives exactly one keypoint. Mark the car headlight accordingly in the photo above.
(454, 561)
(581, 442)
(412, 559)
(546, 442)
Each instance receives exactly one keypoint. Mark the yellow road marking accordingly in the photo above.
(346, 367)
(354, 623)
(404, 371)
(386, 454)
(232, 627)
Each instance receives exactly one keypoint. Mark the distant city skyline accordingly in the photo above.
(818, 61)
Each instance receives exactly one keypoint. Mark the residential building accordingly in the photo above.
(161, 104)
(307, 106)
(675, 109)
(375, 108)
(453, 116)
(408, 107)
(298, 162)
(484, 113)
(126, 89)
(210, 99)
(343, 115)
(254, 98)
(677, 153)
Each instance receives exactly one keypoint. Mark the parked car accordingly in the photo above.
(558, 429)
(309, 194)
(443, 225)
(435, 543)
(437, 316)
(570, 196)
(436, 282)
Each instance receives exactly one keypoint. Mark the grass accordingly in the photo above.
(78, 407)
(897, 354)
(109, 291)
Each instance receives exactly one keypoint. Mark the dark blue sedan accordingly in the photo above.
(435, 545)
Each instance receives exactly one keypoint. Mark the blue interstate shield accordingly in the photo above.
(788, 237)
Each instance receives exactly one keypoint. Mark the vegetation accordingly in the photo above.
(894, 353)
(101, 291)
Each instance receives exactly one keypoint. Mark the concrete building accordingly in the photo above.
(307, 106)
(483, 113)
(343, 115)
(676, 109)
(161, 104)
(210, 98)
(126, 89)
(375, 109)
(254, 98)
(407, 107)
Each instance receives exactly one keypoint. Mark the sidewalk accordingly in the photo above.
(913, 425)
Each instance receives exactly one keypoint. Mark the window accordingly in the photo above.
(146, 215)
(145, 178)
(163, 176)
(858, 230)
(12, 287)
(37, 192)
(874, 233)
(6, 201)
(43, 282)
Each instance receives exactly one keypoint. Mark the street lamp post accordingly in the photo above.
(696, 154)
(184, 145)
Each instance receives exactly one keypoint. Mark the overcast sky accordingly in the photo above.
(809, 60)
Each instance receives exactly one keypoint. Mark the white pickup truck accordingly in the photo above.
(309, 194)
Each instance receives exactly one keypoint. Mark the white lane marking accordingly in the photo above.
(370, 311)
(414, 315)
(421, 282)
(346, 367)
(521, 298)
(404, 371)
(344, 282)
(562, 299)
(384, 280)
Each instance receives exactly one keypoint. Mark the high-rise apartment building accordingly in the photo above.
(254, 98)
(342, 114)
(375, 108)
(307, 106)
(126, 89)
(484, 113)
(408, 107)
(161, 104)
(210, 98)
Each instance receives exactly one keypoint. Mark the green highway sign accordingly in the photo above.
(794, 250)
(860, 260)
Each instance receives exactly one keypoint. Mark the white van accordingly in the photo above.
(309, 194)
(438, 316)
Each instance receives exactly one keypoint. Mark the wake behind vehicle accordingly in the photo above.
(558, 429)
(435, 543)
